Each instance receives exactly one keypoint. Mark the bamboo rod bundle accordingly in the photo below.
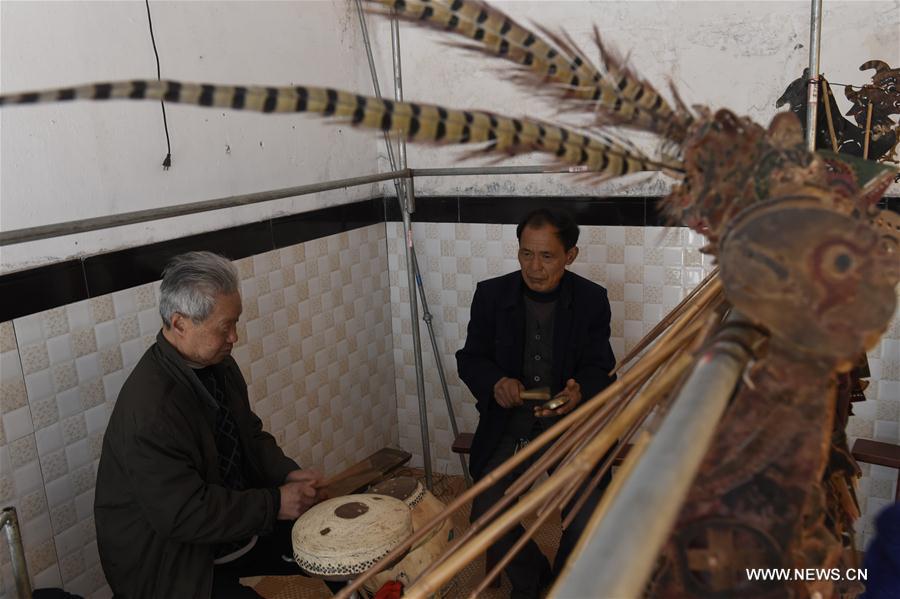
(542, 516)
(581, 433)
(598, 476)
(577, 470)
(608, 556)
(577, 437)
(645, 436)
(517, 546)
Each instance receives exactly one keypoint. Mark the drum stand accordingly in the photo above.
(406, 198)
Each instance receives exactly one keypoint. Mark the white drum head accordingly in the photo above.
(345, 536)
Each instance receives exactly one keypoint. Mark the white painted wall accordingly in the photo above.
(70, 161)
(721, 54)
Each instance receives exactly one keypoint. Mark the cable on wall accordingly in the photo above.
(167, 162)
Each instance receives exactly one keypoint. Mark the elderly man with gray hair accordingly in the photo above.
(191, 493)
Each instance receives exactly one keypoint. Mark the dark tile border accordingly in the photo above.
(297, 228)
(636, 211)
(37, 289)
(106, 273)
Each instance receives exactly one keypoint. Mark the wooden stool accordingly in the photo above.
(880, 454)
(462, 443)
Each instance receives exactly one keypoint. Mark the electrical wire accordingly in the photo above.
(167, 162)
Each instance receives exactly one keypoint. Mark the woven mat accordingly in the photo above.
(445, 488)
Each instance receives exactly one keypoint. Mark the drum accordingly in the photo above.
(424, 506)
(343, 537)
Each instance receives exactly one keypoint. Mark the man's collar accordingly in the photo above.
(514, 291)
(178, 362)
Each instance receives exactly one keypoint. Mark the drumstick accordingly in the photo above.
(341, 476)
(540, 394)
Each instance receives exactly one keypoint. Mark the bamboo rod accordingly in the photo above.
(868, 131)
(611, 557)
(594, 423)
(593, 430)
(563, 445)
(647, 364)
(588, 434)
(615, 486)
(490, 479)
(701, 334)
(590, 429)
(598, 476)
(515, 549)
(585, 462)
(525, 480)
(826, 91)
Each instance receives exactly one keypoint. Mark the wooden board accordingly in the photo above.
(362, 474)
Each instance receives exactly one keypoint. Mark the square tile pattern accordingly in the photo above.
(314, 348)
(646, 271)
(326, 348)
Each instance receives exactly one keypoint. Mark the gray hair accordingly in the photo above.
(191, 283)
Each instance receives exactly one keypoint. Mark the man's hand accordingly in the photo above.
(308, 475)
(300, 492)
(572, 395)
(296, 498)
(506, 392)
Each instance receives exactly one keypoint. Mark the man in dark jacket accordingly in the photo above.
(191, 492)
(542, 326)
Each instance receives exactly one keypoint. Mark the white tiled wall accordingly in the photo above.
(878, 418)
(646, 270)
(314, 348)
(326, 348)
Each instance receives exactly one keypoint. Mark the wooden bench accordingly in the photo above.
(359, 476)
(880, 454)
(462, 443)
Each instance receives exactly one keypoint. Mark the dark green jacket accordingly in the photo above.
(160, 506)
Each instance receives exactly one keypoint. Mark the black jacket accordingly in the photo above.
(160, 507)
(495, 342)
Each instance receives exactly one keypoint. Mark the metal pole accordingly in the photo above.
(427, 317)
(493, 170)
(812, 93)
(367, 44)
(407, 206)
(140, 216)
(10, 524)
(617, 553)
(401, 193)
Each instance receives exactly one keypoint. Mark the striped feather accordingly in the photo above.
(614, 95)
(419, 122)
